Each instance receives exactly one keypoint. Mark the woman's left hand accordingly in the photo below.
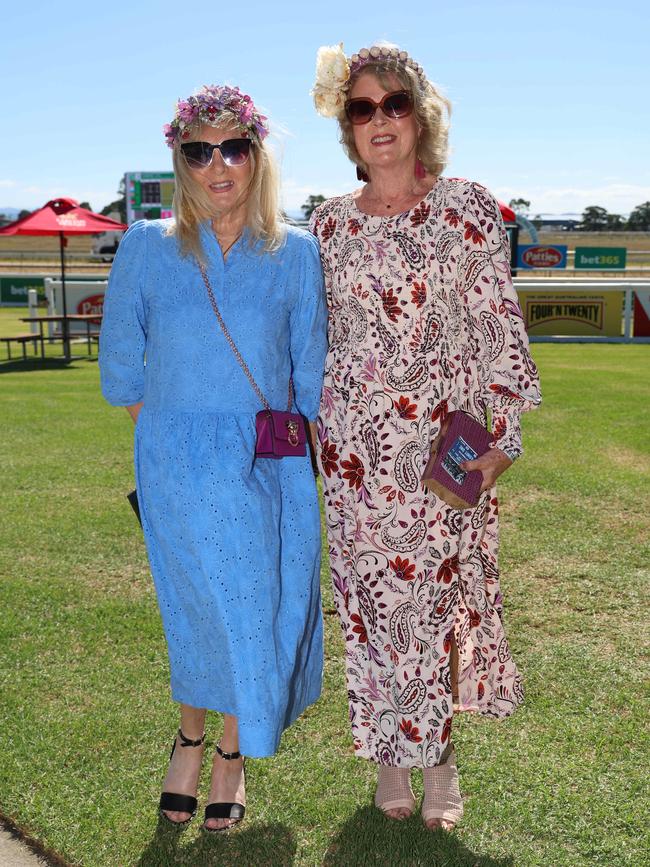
(491, 464)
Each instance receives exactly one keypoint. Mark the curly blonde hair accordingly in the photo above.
(192, 205)
(430, 107)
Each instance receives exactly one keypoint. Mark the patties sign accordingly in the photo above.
(542, 256)
(92, 304)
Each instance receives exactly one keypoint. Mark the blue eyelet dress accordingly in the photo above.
(233, 541)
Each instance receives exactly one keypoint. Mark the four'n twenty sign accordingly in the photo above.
(572, 311)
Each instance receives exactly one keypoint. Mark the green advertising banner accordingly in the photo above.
(13, 290)
(600, 258)
(14, 287)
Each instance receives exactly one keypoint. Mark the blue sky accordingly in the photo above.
(550, 101)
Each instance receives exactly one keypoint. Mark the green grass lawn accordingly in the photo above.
(87, 722)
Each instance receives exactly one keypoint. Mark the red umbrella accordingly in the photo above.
(507, 213)
(62, 217)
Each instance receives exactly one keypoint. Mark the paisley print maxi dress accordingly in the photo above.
(424, 319)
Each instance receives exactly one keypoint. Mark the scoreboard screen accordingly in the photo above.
(149, 195)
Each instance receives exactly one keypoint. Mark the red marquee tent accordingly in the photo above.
(62, 217)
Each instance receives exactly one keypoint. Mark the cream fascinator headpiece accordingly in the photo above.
(334, 70)
(332, 74)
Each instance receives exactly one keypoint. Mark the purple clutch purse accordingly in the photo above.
(464, 439)
(280, 434)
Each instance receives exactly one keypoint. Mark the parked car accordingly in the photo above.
(106, 243)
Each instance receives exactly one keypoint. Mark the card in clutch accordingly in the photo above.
(464, 439)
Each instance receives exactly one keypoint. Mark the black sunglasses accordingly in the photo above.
(362, 109)
(234, 152)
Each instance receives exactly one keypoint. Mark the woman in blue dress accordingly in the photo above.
(233, 539)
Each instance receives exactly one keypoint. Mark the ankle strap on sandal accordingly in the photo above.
(227, 756)
(188, 742)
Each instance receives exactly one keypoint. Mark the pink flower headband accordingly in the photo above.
(206, 106)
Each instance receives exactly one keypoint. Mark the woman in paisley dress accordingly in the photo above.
(424, 319)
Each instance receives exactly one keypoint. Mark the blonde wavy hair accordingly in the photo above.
(192, 206)
(430, 107)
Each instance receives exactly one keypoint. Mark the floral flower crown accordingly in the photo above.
(206, 106)
(334, 71)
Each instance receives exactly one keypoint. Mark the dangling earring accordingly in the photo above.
(361, 175)
(420, 171)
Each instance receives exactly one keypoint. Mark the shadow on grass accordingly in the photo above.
(40, 364)
(255, 846)
(371, 840)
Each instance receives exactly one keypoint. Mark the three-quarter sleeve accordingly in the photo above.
(509, 381)
(308, 323)
(123, 333)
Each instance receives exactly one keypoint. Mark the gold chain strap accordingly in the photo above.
(236, 352)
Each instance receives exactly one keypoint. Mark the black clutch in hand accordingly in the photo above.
(133, 500)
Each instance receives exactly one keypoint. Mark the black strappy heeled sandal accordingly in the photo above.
(180, 803)
(226, 810)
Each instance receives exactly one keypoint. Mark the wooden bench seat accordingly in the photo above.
(89, 337)
(23, 340)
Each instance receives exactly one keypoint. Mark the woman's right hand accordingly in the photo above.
(491, 464)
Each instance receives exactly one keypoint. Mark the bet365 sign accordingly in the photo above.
(601, 258)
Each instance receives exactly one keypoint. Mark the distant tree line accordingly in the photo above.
(597, 219)
(594, 218)
(5, 218)
(311, 204)
(119, 205)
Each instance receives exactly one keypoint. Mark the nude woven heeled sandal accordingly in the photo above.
(443, 802)
(394, 790)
